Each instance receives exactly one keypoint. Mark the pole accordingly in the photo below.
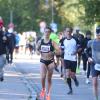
(52, 11)
(11, 16)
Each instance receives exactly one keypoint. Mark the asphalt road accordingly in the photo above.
(31, 70)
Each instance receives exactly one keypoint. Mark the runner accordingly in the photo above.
(95, 61)
(62, 54)
(47, 47)
(86, 64)
(80, 37)
(70, 60)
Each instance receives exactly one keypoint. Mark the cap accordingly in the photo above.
(98, 30)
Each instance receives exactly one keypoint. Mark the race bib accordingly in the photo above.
(97, 67)
(45, 48)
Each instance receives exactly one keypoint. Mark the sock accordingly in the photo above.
(69, 83)
(76, 81)
(74, 78)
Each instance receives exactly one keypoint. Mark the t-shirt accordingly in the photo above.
(70, 47)
(54, 38)
(95, 46)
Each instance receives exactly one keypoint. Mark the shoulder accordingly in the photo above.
(75, 39)
(90, 42)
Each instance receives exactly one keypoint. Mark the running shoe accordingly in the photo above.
(70, 92)
(76, 83)
(47, 97)
(42, 93)
(87, 81)
(61, 75)
(1, 79)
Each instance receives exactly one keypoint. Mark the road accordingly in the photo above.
(30, 68)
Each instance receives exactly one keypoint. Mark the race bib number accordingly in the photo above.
(97, 67)
(45, 48)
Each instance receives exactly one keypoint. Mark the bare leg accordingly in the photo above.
(50, 73)
(43, 75)
(95, 87)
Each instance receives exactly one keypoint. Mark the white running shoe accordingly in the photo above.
(87, 81)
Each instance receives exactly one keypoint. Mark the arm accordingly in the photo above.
(38, 47)
(89, 51)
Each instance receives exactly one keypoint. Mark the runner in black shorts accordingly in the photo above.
(46, 47)
(95, 61)
(70, 58)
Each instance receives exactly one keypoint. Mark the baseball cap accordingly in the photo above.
(98, 30)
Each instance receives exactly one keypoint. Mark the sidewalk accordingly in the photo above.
(13, 87)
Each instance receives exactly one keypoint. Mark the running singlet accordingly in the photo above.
(46, 47)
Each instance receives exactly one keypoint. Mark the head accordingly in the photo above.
(47, 32)
(60, 35)
(68, 31)
(98, 32)
(88, 34)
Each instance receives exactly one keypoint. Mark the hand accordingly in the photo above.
(38, 53)
(4, 38)
(90, 60)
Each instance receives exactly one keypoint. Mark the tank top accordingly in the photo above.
(46, 47)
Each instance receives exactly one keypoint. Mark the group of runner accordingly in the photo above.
(68, 48)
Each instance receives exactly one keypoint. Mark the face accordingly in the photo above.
(98, 36)
(47, 32)
(67, 32)
(88, 36)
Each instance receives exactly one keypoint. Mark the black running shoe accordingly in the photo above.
(76, 83)
(70, 92)
(1, 79)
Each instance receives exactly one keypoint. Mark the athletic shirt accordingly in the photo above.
(95, 46)
(70, 47)
(46, 47)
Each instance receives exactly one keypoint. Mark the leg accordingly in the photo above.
(88, 73)
(68, 71)
(84, 58)
(50, 73)
(2, 64)
(68, 75)
(43, 77)
(73, 72)
(95, 87)
(43, 74)
(62, 67)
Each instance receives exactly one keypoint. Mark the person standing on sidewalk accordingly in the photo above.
(95, 61)
(2, 52)
(70, 58)
(47, 47)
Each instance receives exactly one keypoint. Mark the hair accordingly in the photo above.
(49, 28)
(70, 29)
(88, 32)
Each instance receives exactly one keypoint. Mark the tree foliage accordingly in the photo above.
(28, 13)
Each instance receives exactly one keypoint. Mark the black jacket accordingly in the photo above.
(2, 44)
(10, 40)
